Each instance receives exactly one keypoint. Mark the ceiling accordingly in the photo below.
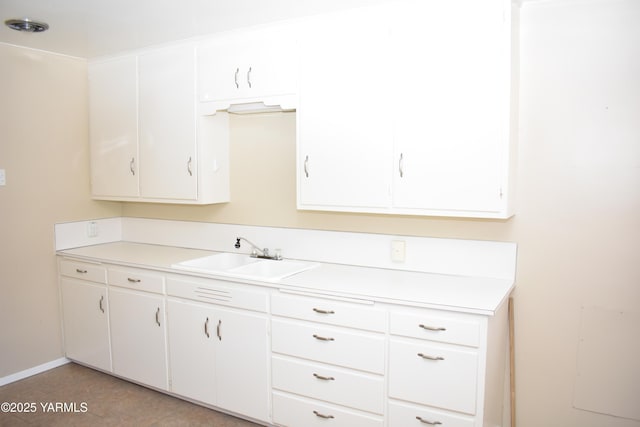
(90, 28)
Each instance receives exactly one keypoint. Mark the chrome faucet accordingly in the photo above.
(256, 252)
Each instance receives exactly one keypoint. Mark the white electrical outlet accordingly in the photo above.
(92, 229)
(397, 250)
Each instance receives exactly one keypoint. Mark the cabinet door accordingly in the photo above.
(344, 124)
(113, 127)
(242, 361)
(451, 97)
(433, 374)
(138, 340)
(168, 161)
(191, 329)
(86, 328)
(247, 66)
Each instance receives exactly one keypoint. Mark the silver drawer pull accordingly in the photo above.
(431, 423)
(133, 280)
(206, 327)
(81, 271)
(218, 330)
(158, 316)
(326, 417)
(318, 310)
(100, 303)
(322, 377)
(432, 328)
(426, 356)
(318, 337)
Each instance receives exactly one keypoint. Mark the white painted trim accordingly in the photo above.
(33, 371)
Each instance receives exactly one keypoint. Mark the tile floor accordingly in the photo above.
(109, 402)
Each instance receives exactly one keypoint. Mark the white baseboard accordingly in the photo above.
(33, 371)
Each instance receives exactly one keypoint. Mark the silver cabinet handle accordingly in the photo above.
(189, 166)
(323, 378)
(131, 166)
(318, 310)
(426, 356)
(306, 166)
(318, 337)
(218, 330)
(431, 423)
(206, 327)
(401, 166)
(432, 328)
(100, 303)
(249, 77)
(235, 78)
(158, 316)
(326, 417)
(133, 280)
(81, 271)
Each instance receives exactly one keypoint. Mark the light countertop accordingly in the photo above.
(479, 295)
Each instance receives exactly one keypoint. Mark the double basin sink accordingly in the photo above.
(245, 267)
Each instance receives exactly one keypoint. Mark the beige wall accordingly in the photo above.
(43, 148)
(577, 223)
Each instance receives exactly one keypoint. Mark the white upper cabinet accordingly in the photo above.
(451, 121)
(167, 132)
(113, 127)
(248, 66)
(147, 142)
(344, 126)
(407, 109)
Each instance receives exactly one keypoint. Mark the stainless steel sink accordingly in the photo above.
(244, 266)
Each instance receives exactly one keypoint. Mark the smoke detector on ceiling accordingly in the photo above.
(26, 25)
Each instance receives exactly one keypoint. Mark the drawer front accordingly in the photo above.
(434, 326)
(418, 416)
(83, 270)
(337, 346)
(133, 278)
(346, 388)
(433, 374)
(218, 292)
(292, 411)
(330, 312)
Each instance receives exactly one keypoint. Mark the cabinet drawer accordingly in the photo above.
(133, 278)
(329, 311)
(83, 270)
(292, 411)
(337, 346)
(218, 292)
(435, 326)
(437, 375)
(341, 386)
(418, 416)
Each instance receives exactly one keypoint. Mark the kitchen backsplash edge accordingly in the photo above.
(424, 254)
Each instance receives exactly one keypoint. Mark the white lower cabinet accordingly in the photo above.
(283, 358)
(191, 330)
(294, 411)
(337, 368)
(219, 352)
(219, 357)
(407, 415)
(138, 340)
(86, 328)
(433, 374)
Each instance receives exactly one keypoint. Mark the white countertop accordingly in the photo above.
(478, 295)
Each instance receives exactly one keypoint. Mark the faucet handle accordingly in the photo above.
(265, 252)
